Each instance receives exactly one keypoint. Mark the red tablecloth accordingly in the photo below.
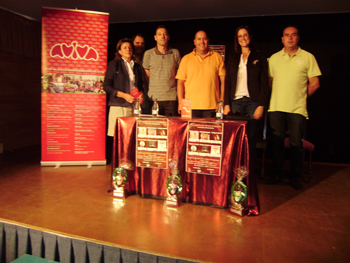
(197, 188)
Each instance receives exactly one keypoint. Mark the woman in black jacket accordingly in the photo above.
(124, 74)
(247, 84)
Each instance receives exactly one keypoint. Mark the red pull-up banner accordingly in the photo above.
(73, 103)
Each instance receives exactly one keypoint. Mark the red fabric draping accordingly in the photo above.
(197, 188)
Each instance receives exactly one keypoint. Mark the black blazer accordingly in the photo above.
(117, 79)
(258, 79)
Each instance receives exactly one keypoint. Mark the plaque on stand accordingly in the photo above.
(173, 186)
(120, 179)
(239, 194)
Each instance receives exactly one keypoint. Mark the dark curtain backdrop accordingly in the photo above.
(20, 77)
(19, 35)
(324, 35)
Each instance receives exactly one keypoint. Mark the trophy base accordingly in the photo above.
(238, 211)
(170, 202)
(119, 194)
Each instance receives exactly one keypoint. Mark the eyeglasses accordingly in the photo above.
(244, 35)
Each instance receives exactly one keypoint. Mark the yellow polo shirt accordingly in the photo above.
(201, 78)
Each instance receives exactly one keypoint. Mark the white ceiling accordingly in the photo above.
(164, 10)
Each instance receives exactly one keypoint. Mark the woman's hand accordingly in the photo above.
(129, 98)
(125, 96)
(258, 113)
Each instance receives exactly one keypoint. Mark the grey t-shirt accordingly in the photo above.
(162, 69)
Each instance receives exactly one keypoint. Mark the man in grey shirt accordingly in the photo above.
(161, 64)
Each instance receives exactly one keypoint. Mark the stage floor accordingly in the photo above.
(311, 225)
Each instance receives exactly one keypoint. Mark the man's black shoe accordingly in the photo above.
(296, 184)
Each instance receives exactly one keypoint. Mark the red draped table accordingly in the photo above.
(197, 188)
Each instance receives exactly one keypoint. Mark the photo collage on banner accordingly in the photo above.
(204, 147)
(152, 143)
(73, 103)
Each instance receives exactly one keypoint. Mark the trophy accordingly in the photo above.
(173, 185)
(239, 193)
(120, 178)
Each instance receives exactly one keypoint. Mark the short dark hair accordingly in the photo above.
(238, 48)
(137, 35)
(290, 25)
(161, 26)
(119, 45)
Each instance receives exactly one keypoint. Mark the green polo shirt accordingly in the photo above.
(290, 80)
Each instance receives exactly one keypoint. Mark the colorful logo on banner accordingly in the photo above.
(74, 51)
(74, 41)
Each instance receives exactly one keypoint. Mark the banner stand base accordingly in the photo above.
(57, 165)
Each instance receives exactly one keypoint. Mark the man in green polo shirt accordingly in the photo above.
(293, 76)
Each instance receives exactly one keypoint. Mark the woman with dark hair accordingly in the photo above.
(123, 74)
(247, 84)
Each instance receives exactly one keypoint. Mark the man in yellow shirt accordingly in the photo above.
(201, 78)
